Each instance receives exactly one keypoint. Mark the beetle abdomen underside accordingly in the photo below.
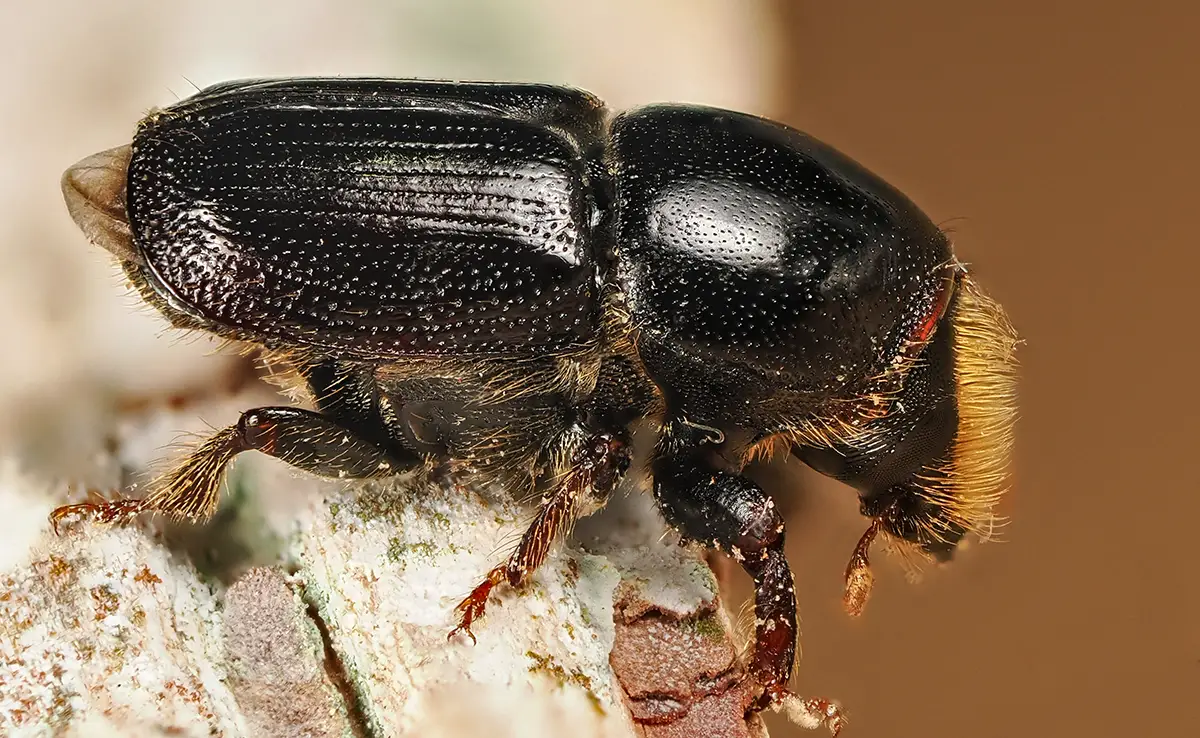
(369, 224)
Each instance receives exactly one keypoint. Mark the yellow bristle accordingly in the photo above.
(976, 473)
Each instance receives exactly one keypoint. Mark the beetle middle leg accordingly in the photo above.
(731, 513)
(595, 469)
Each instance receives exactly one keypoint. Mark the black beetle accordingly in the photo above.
(504, 277)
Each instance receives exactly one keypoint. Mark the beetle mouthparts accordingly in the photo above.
(94, 190)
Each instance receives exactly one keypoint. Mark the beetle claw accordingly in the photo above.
(473, 605)
(462, 628)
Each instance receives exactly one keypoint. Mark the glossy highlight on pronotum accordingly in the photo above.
(508, 279)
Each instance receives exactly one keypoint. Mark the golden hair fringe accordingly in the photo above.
(976, 473)
(192, 490)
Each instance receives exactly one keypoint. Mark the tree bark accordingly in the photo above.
(152, 629)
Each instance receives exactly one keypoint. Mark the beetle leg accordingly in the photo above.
(595, 469)
(302, 438)
(731, 513)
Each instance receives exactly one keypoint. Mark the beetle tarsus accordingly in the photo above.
(473, 605)
(112, 511)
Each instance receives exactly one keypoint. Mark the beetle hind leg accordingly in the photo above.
(304, 439)
(595, 469)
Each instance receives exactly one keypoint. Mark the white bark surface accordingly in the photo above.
(114, 628)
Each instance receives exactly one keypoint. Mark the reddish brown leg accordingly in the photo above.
(302, 438)
(729, 512)
(190, 492)
(595, 470)
(555, 515)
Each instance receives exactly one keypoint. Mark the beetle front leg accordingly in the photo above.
(302, 438)
(729, 512)
(596, 468)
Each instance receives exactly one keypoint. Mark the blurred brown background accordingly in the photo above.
(1057, 140)
(1064, 139)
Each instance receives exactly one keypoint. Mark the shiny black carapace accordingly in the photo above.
(506, 278)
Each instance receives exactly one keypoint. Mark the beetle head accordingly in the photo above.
(932, 467)
(94, 190)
